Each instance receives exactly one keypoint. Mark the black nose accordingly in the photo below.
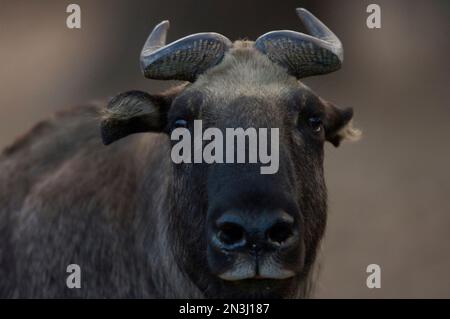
(255, 232)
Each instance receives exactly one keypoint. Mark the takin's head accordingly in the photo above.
(257, 234)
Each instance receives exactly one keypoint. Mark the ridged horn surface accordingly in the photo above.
(184, 59)
(301, 54)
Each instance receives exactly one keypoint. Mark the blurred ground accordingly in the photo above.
(389, 193)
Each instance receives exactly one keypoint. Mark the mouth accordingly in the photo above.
(264, 275)
(255, 270)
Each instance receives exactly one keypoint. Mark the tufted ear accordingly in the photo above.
(338, 125)
(134, 112)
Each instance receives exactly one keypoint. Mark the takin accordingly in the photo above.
(141, 226)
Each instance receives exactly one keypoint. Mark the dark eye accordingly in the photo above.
(315, 123)
(180, 123)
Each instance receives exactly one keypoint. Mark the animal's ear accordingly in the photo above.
(338, 124)
(134, 112)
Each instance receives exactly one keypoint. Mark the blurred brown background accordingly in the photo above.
(389, 193)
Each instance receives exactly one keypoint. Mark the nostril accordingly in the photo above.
(231, 233)
(280, 232)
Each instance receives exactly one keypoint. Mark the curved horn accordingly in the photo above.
(183, 59)
(304, 55)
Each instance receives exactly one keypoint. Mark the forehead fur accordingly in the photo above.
(244, 71)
